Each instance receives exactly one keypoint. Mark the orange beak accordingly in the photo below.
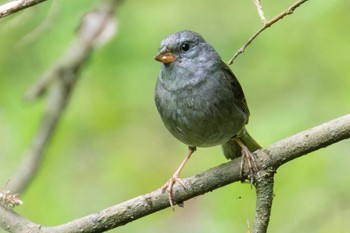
(165, 57)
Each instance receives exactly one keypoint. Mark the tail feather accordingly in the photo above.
(231, 148)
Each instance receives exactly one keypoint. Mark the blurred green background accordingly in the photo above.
(112, 146)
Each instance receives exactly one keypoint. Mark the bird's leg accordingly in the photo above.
(176, 177)
(249, 159)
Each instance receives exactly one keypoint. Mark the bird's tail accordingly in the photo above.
(233, 150)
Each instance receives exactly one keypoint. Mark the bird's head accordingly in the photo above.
(184, 46)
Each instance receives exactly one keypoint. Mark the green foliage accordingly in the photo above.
(111, 144)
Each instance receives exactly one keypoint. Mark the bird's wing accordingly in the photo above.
(236, 87)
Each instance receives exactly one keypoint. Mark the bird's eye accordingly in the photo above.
(185, 46)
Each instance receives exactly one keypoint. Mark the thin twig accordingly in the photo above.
(289, 11)
(17, 5)
(271, 157)
(260, 11)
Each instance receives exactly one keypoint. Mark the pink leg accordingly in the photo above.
(176, 177)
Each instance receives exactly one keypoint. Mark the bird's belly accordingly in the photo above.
(203, 124)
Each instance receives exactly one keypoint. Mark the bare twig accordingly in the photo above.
(260, 11)
(289, 11)
(269, 159)
(17, 5)
(60, 81)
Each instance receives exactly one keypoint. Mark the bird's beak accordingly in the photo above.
(165, 56)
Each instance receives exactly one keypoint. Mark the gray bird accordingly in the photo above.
(201, 101)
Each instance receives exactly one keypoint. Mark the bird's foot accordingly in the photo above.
(249, 159)
(168, 186)
(176, 178)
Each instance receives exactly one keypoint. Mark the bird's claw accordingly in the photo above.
(249, 159)
(168, 186)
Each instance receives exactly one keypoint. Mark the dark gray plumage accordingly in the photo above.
(199, 98)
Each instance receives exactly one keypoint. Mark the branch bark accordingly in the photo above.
(264, 196)
(18, 5)
(269, 159)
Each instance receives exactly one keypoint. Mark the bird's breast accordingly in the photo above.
(200, 113)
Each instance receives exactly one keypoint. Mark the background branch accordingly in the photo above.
(269, 159)
(60, 81)
(58, 98)
(43, 27)
(17, 5)
(260, 11)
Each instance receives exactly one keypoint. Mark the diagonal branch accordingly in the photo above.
(269, 159)
(267, 24)
(17, 5)
(58, 99)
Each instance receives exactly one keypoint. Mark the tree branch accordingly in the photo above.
(264, 196)
(267, 24)
(269, 159)
(60, 82)
(17, 5)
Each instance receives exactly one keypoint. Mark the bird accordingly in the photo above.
(201, 102)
